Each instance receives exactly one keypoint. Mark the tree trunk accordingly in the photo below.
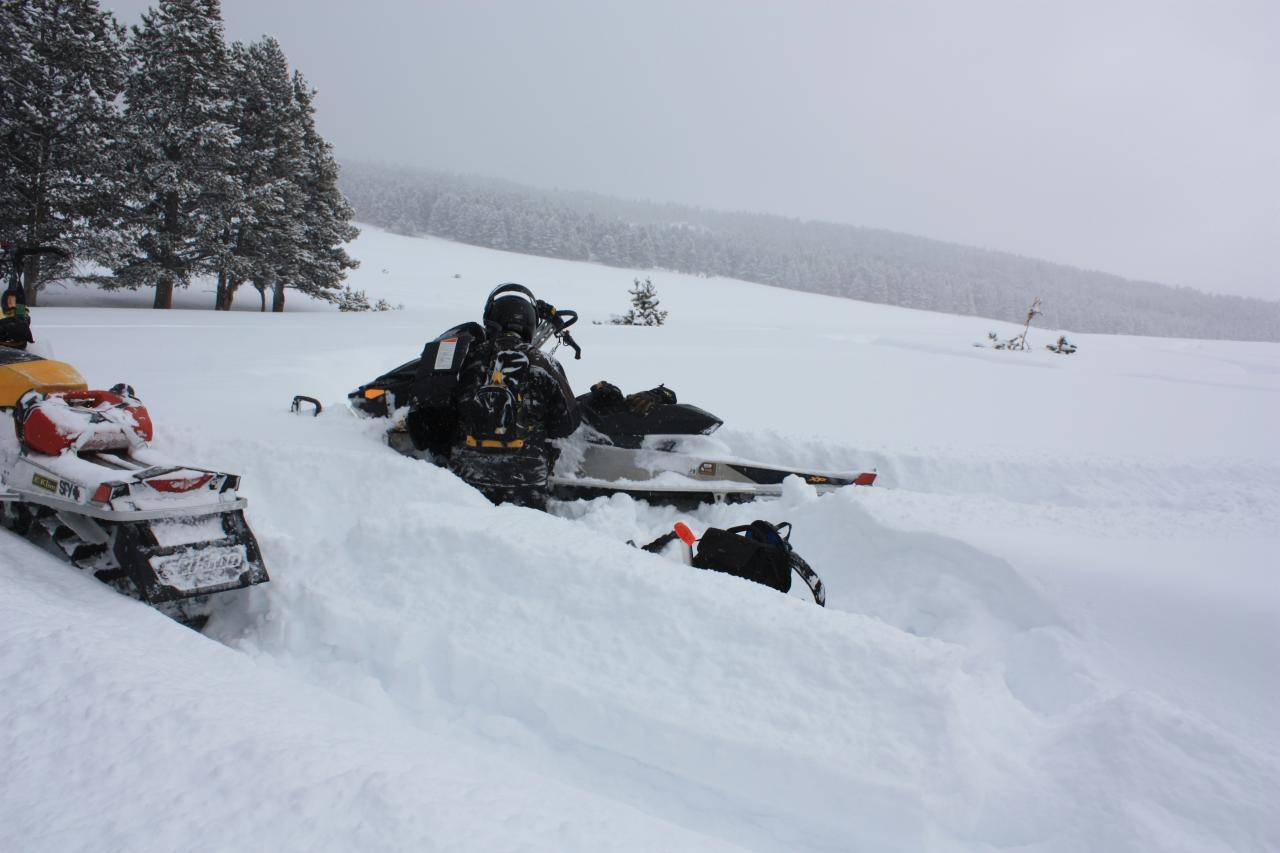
(227, 287)
(164, 292)
(262, 296)
(31, 281)
(31, 268)
(169, 231)
(277, 296)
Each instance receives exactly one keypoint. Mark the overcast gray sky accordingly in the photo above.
(1141, 138)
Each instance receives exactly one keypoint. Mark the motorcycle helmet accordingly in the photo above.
(510, 308)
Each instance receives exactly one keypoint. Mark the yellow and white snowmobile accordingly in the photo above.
(78, 476)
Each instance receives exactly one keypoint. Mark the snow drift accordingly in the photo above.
(1053, 634)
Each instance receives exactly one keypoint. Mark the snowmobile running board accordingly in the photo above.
(660, 476)
(692, 492)
(681, 495)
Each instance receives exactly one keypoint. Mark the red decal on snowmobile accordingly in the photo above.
(179, 484)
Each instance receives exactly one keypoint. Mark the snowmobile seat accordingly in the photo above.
(81, 420)
(626, 423)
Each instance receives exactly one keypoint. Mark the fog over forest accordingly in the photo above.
(1136, 138)
(820, 257)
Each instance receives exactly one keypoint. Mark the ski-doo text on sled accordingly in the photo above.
(657, 452)
(77, 475)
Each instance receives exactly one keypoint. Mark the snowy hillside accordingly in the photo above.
(1051, 626)
(874, 265)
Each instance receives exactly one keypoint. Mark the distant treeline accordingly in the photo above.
(163, 154)
(821, 257)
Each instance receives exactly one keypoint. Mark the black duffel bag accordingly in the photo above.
(757, 551)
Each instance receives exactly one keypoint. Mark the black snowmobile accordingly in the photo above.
(648, 444)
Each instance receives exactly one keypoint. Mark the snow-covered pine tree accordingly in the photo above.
(64, 68)
(261, 233)
(323, 216)
(644, 307)
(180, 145)
(348, 299)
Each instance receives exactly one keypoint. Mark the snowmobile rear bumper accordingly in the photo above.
(165, 573)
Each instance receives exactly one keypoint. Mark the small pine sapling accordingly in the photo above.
(352, 300)
(644, 307)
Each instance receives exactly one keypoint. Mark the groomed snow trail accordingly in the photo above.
(1025, 644)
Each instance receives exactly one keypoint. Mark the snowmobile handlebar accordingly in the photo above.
(553, 322)
(571, 344)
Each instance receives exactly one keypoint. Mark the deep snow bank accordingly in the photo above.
(125, 731)
(947, 703)
(1052, 628)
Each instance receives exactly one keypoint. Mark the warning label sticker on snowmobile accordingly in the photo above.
(444, 353)
(200, 567)
(43, 482)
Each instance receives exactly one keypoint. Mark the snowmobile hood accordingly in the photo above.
(21, 372)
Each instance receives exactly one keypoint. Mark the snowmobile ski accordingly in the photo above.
(810, 578)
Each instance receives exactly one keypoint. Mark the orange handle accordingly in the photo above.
(686, 535)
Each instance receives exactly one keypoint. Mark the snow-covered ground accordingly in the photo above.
(1054, 624)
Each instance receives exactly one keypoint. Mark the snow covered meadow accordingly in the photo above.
(1052, 625)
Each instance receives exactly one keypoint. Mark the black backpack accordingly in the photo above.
(495, 416)
(758, 552)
